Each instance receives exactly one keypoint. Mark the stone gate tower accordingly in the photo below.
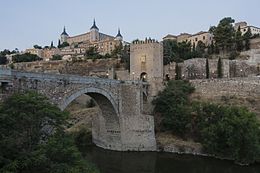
(146, 63)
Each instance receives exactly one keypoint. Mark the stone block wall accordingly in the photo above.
(194, 69)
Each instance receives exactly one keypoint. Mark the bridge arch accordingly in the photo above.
(106, 131)
(91, 92)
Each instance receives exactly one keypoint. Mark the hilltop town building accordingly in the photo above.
(104, 43)
(204, 37)
(244, 28)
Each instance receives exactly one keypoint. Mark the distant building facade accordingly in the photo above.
(204, 37)
(46, 53)
(104, 43)
(244, 28)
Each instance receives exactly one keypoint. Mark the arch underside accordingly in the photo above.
(106, 131)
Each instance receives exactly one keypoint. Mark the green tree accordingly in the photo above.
(64, 44)
(56, 57)
(172, 105)
(3, 59)
(200, 48)
(52, 46)
(32, 137)
(59, 43)
(37, 47)
(231, 132)
(224, 34)
(239, 40)
(207, 68)
(27, 57)
(247, 36)
(220, 71)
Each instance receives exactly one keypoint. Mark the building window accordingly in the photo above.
(196, 39)
(204, 37)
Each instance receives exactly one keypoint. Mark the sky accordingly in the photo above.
(24, 23)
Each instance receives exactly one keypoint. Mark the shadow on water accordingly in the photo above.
(152, 162)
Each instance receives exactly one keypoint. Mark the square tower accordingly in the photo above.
(146, 63)
(146, 60)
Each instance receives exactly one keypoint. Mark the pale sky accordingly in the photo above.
(28, 22)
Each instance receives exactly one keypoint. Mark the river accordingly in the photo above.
(152, 162)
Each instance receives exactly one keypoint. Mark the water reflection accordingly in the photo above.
(151, 162)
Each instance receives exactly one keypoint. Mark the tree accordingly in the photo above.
(224, 34)
(52, 46)
(220, 72)
(32, 137)
(239, 40)
(64, 44)
(27, 57)
(172, 105)
(37, 47)
(207, 68)
(3, 60)
(200, 48)
(247, 36)
(231, 132)
(56, 57)
(58, 44)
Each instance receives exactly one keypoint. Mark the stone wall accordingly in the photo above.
(196, 68)
(122, 125)
(255, 43)
(236, 91)
(97, 68)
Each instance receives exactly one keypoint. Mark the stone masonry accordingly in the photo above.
(122, 126)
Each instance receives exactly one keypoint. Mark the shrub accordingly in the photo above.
(230, 132)
(172, 104)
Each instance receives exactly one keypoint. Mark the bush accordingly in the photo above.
(27, 57)
(230, 132)
(172, 104)
(32, 138)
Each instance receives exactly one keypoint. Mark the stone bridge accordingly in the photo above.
(122, 124)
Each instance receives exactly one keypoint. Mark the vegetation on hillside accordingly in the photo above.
(32, 138)
(227, 40)
(224, 131)
(178, 52)
(27, 57)
(3, 58)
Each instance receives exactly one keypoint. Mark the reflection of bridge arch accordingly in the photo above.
(106, 130)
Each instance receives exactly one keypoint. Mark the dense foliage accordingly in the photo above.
(173, 105)
(64, 44)
(178, 52)
(227, 39)
(231, 132)
(32, 138)
(56, 57)
(3, 58)
(27, 57)
(224, 131)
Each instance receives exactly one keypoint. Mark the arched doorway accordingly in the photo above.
(143, 77)
(167, 77)
(106, 131)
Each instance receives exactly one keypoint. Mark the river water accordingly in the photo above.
(152, 162)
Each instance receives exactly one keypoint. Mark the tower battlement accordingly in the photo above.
(146, 41)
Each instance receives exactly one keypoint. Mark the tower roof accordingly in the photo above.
(118, 33)
(64, 32)
(94, 26)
